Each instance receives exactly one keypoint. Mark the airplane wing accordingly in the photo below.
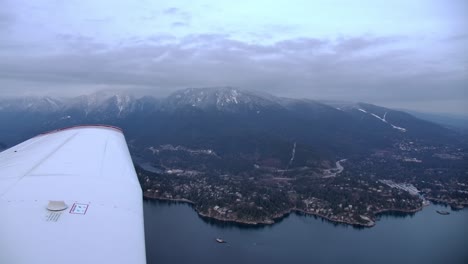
(71, 196)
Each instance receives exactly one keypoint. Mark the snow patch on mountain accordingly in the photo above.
(123, 103)
(221, 98)
(384, 119)
(31, 104)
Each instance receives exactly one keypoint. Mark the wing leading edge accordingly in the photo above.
(88, 171)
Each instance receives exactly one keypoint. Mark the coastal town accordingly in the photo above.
(352, 191)
(340, 200)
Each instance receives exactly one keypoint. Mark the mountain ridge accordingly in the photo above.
(248, 157)
(201, 98)
(225, 110)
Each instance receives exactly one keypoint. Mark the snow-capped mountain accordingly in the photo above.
(210, 118)
(110, 104)
(31, 104)
(104, 103)
(224, 99)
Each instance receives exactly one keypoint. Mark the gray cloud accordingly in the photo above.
(181, 17)
(356, 44)
(179, 24)
(301, 44)
(342, 69)
(456, 37)
(172, 11)
(6, 18)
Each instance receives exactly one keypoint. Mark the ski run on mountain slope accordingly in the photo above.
(383, 119)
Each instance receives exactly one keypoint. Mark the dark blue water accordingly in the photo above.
(176, 234)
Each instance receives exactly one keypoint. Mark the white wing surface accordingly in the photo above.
(71, 196)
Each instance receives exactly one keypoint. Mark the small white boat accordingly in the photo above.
(219, 240)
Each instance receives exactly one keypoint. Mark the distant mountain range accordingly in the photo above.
(243, 127)
(453, 121)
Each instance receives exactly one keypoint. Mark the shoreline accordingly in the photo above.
(456, 206)
(276, 218)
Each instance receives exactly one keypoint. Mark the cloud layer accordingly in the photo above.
(403, 70)
(367, 67)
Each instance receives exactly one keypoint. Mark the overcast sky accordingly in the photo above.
(400, 53)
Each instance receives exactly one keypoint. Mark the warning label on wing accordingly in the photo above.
(79, 208)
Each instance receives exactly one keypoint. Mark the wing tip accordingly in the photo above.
(118, 129)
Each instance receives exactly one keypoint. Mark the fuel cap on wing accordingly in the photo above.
(57, 206)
